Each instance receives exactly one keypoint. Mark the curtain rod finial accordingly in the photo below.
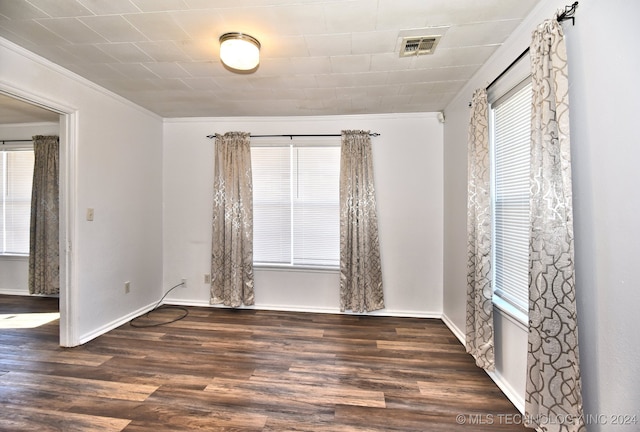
(569, 13)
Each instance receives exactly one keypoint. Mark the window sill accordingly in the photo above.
(513, 313)
(296, 268)
(14, 257)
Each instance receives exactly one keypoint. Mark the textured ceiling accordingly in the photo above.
(318, 57)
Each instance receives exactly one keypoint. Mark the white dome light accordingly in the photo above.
(239, 51)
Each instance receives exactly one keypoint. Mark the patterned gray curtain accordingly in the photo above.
(479, 328)
(44, 250)
(232, 243)
(553, 367)
(360, 268)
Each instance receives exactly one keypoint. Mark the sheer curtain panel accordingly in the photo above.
(479, 327)
(360, 267)
(553, 399)
(232, 243)
(44, 249)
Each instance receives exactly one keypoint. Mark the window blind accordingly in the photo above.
(296, 205)
(511, 157)
(16, 177)
(271, 168)
(316, 205)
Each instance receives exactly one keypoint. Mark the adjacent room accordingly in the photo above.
(344, 227)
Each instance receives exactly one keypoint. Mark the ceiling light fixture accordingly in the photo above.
(239, 51)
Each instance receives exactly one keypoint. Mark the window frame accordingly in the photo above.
(506, 86)
(299, 142)
(13, 147)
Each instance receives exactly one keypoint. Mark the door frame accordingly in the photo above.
(68, 192)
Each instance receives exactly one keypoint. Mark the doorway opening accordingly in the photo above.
(17, 105)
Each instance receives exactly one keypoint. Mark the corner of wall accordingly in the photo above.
(454, 329)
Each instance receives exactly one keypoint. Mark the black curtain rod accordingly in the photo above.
(508, 68)
(373, 134)
(17, 140)
(568, 14)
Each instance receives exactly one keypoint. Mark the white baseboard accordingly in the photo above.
(454, 329)
(114, 324)
(516, 399)
(23, 293)
(288, 308)
(9, 291)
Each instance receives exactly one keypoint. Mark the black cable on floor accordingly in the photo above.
(157, 307)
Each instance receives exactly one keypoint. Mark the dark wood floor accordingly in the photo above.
(225, 370)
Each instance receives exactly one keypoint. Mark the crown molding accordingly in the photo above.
(301, 119)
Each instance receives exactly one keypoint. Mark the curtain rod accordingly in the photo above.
(568, 14)
(507, 69)
(373, 134)
(16, 140)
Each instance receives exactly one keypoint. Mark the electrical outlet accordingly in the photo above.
(127, 287)
(207, 278)
(184, 282)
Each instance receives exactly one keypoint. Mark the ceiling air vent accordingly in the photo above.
(418, 45)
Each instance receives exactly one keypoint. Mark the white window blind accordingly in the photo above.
(296, 208)
(271, 169)
(16, 177)
(511, 120)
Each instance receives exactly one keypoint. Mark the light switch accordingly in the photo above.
(89, 214)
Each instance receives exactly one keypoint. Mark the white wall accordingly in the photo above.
(605, 104)
(408, 176)
(117, 164)
(605, 107)
(14, 270)
(27, 130)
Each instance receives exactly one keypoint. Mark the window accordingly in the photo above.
(16, 177)
(511, 136)
(296, 205)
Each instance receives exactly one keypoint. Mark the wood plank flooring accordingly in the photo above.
(226, 370)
